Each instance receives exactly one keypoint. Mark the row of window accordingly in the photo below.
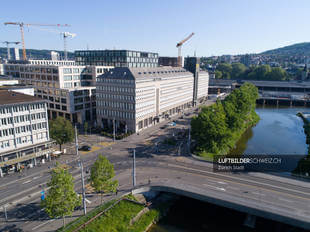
(57, 106)
(116, 97)
(22, 118)
(113, 113)
(22, 140)
(119, 105)
(21, 108)
(120, 81)
(116, 89)
(23, 129)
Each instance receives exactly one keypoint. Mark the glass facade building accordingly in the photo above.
(116, 58)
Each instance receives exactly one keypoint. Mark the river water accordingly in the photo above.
(279, 131)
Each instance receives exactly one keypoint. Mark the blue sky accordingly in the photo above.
(220, 26)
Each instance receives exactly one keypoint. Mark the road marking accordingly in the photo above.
(26, 182)
(258, 193)
(217, 188)
(251, 186)
(36, 177)
(38, 226)
(286, 200)
(221, 182)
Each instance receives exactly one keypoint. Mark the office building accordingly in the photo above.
(69, 89)
(192, 64)
(14, 54)
(24, 135)
(168, 61)
(137, 98)
(1, 69)
(55, 55)
(116, 58)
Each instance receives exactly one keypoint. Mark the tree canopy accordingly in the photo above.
(61, 198)
(240, 71)
(61, 130)
(218, 127)
(101, 176)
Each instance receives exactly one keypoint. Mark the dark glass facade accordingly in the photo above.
(116, 58)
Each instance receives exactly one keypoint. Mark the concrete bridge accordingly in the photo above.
(254, 198)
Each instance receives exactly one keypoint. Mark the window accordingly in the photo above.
(67, 70)
(67, 78)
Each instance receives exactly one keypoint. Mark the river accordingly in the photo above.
(279, 131)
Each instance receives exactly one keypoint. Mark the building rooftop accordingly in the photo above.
(145, 73)
(9, 97)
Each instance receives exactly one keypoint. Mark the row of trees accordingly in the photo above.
(240, 71)
(61, 199)
(218, 127)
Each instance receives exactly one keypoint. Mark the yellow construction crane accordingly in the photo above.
(21, 26)
(179, 46)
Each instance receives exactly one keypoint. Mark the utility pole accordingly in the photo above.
(113, 129)
(189, 139)
(134, 168)
(82, 173)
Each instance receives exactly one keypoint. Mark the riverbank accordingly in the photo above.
(217, 128)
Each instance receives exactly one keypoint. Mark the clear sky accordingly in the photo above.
(220, 26)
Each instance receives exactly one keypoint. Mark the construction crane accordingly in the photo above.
(8, 48)
(179, 46)
(21, 26)
(65, 36)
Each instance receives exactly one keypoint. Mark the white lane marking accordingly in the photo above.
(38, 226)
(88, 201)
(258, 193)
(221, 182)
(217, 188)
(26, 182)
(234, 188)
(286, 200)
(36, 177)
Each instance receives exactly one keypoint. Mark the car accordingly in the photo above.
(182, 117)
(85, 148)
(172, 124)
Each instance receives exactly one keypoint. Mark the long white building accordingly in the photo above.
(68, 88)
(137, 98)
(24, 135)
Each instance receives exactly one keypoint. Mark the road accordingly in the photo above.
(21, 194)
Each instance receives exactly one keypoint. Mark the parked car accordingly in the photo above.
(172, 124)
(85, 148)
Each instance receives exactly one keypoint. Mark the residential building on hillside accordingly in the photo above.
(137, 98)
(116, 58)
(69, 89)
(24, 135)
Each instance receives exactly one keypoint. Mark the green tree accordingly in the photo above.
(209, 129)
(276, 74)
(61, 198)
(225, 69)
(85, 127)
(101, 176)
(260, 73)
(61, 130)
(238, 70)
(218, 74)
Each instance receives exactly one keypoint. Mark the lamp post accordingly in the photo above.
(82, 172)
(134, 168)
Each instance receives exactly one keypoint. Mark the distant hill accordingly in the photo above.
(299, 49)
(36, 54)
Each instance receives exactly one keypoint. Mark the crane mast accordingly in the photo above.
(21, 26)
(179, 46)
(65, 36)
